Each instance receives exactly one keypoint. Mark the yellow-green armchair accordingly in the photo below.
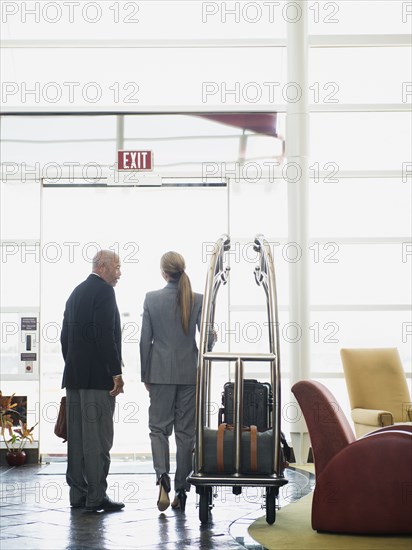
(377, 387)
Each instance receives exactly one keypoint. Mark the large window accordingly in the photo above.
(360, 189)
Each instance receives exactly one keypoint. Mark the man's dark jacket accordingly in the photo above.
(91, 336)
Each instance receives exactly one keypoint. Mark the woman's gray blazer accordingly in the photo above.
(167, 354)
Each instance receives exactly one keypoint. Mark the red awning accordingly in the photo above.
(260, 123)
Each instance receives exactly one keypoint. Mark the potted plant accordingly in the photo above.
(15, 437)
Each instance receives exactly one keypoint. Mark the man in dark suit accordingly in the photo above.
(91, 346)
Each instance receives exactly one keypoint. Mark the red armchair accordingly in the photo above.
(362, 485)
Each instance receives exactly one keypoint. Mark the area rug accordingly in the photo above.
(292, 531)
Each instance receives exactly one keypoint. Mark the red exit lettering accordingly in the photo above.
(134, 160)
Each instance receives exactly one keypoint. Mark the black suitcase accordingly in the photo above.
(257, 408)
(257, 404)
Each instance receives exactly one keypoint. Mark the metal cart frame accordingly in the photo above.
(216, 276)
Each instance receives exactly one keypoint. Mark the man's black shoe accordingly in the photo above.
(80, 504)
(107, 505)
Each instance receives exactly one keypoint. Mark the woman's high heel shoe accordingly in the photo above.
(179, 502)
(164, 490)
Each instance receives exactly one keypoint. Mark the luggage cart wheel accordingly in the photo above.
(271, 495)
(205, 503)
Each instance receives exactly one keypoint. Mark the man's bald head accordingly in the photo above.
(106, 264)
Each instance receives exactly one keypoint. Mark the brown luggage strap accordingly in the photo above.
(253, 449)
(219, 451)
(220, 444)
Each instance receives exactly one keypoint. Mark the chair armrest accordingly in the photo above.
(372, 417)
(350, 491)
(403, 427)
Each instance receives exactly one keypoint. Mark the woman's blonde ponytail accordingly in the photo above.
(173, 264)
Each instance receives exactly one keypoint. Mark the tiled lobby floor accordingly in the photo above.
(35, 514)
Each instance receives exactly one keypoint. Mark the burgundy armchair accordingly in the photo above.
(362, 485)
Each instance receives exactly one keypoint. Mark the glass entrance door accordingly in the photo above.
(140, 224)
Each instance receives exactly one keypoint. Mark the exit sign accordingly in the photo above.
(135, 160)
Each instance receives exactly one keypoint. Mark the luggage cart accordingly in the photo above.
(201, 478)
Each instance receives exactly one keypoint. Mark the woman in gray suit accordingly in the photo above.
(168, 355)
